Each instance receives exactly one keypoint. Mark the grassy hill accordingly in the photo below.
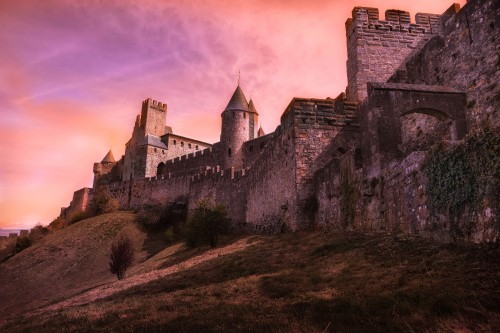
(303, 282)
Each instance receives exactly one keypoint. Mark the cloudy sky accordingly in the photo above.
(73, 75)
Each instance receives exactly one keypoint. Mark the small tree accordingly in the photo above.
(206, 224)
(22, 243)
(102, 203)
(37, 233)
(121, 256)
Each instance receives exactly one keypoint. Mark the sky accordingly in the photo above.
(73, 75)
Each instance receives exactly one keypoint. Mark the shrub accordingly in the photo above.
(159, 218)
(206, 224)
(56, 224)
(121, 256)
(150, 218)
(102, 203)
(37, 233)
(21, 244)
(170, 235)
(80, 216)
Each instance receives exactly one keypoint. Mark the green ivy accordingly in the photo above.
(461, 176)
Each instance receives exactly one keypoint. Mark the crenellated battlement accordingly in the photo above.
(154, 104)
(368, 19)
(376, 48)
(319, 112)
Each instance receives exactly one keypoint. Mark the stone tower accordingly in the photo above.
(376, 48)
(153, 117)
(238, 126)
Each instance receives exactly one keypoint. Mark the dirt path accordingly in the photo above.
(115, 287)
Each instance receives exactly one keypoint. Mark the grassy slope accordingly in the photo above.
(64, 263)
(309, 282)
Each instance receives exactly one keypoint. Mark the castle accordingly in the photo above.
(354, 161)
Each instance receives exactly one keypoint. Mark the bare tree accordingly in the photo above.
(121, 256)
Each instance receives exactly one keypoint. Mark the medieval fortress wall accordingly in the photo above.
(353, 162)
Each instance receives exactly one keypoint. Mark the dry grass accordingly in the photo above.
(304, 282)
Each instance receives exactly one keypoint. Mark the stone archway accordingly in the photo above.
(422, 128)
(161, 169)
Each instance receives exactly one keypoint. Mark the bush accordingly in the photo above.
(21, 244)
(170, 235)
(159, 218)
(121, 256)
(80, 216)
(102, 203)
(206, 224)
(37, 233)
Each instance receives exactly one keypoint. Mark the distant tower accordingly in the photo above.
(153, 117)
(238, 126)
(103, 168)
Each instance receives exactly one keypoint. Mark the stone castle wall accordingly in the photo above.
(79, 203)
(376, 48)
(354, 162)
(466, 57)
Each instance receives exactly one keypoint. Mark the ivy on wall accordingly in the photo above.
(461, 177)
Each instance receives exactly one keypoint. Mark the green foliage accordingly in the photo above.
(461, 177)
(121, 256)
(206, 224)
(159, 218)
(102, 203)
(170, 235)
(21, 244)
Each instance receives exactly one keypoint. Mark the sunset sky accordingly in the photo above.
(73, 75)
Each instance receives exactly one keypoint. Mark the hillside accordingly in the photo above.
(302, 282)
(64, 263)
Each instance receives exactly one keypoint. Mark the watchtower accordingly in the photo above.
(377, 48)
(153, 117)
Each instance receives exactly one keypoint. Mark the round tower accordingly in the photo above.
(238, 126)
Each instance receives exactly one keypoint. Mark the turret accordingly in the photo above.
(254, 118)
(238, 126)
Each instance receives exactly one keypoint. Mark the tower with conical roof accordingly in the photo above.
(238, 126)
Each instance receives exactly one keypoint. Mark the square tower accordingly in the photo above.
(153, 117)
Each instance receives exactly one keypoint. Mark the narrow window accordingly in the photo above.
(244, 115)
(196, 147)
(182, 143)
(175, 142)
(189, 145)
(229, 152)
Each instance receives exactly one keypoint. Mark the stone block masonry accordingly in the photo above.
(465, 56)
(353, 162)
(376, 48)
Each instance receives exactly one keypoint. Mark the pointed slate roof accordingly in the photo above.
(109, 158)
(251, 107)
(238, 101)
(260, 132)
